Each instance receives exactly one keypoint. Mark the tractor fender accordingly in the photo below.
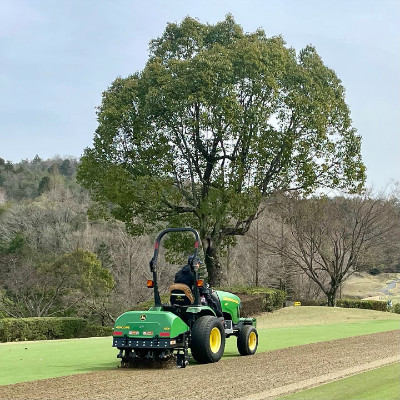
(246, 321)
(202, 310)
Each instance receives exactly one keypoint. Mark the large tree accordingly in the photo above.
(217, 120)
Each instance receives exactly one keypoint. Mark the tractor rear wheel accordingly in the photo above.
(208, 339)
(247, 340)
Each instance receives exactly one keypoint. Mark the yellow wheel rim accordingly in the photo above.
(215, 340)
(252, 341)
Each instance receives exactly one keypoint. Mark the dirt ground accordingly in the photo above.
(262, 376)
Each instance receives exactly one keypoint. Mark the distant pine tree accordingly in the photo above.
(44, 185)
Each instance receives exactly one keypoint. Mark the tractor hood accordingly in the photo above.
(230, 303)
(149, 324)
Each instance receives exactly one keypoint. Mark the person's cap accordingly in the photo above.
(191, 260)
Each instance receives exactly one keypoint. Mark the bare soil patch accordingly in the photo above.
(238, 377)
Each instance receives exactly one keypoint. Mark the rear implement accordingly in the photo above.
(151, 335)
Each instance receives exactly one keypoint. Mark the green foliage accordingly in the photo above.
(217, 119)
(29, 179)
(65, 286)
(364, 304)
(13, 329)
(274, 299)
(374, 271)
(14, 245)
(312, 302)
(83, 270)
(66, 168)
(256, 300)
(44, 185)
(91, 330)
(395, 308)
(178, 244)
(36, 328)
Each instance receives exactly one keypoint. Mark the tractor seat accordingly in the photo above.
(180, 295)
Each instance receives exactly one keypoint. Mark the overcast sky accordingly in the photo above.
(58, 56)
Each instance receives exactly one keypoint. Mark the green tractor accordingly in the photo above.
(168, 331)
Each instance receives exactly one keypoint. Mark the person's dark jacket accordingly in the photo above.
(185, 275)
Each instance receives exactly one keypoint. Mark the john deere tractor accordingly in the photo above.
(168, 331)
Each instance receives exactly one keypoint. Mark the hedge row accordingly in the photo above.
(19, 329)
(365, 304)
(256, 300)
(312, 302)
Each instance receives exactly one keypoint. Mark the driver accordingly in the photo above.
(185, 276)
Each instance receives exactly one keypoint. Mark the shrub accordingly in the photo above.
(251, 305)
(15, 329)
(374, 271)
(395, 308)
(258, 299)
(274, 299)
(364, 304)
(96, 331)
(312, 302)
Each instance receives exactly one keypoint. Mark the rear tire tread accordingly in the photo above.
(200, 341)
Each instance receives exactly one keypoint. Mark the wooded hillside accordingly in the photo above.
(61, 254)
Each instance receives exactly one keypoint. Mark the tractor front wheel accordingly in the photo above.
(247, 340)
(208, 339)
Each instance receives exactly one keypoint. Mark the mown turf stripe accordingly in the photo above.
(378, 384)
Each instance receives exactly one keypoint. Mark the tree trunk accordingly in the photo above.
(335, 282)
(257, 255)
(212, 260)
(331, 295)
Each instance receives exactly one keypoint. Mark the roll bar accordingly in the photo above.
(153, 263)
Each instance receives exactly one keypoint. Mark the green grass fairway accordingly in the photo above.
(379, 384)
(27, 361)
(278, 338)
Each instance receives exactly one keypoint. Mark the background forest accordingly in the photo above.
(61, 254)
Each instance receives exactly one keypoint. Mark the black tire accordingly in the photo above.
(247, 340)
(207, 339)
